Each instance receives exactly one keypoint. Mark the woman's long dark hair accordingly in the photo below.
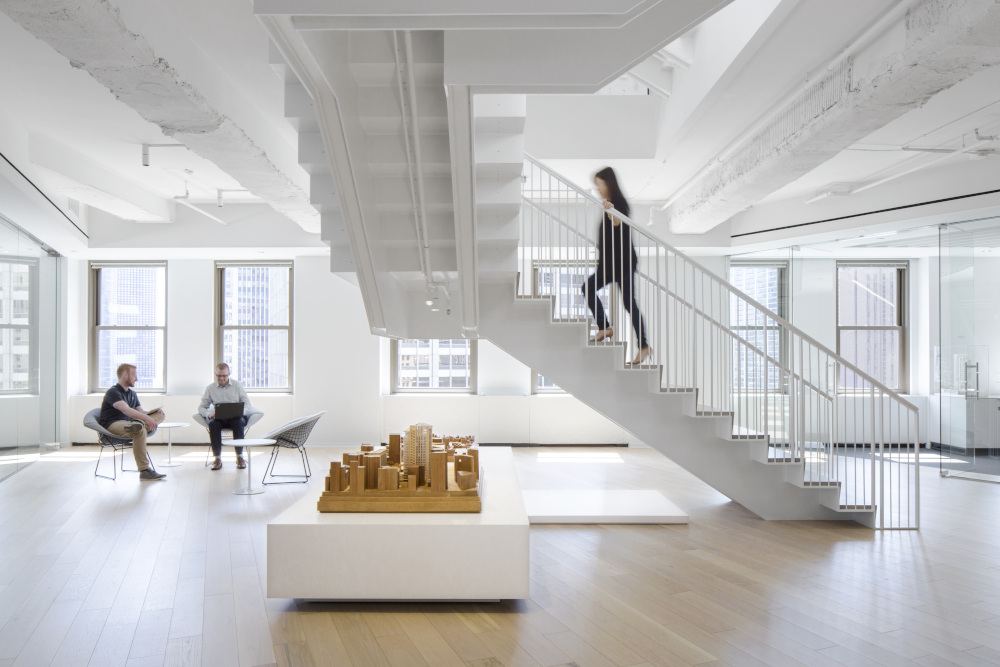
(616, 197)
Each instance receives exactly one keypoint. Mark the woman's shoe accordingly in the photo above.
(604, 333)
(642, 356)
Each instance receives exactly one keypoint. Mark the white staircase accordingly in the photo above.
(433, 193)
(732, 392)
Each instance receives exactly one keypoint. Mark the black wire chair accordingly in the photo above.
(292, 435)
(106, 438)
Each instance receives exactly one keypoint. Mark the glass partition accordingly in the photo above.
(28, 347)
(970, 332)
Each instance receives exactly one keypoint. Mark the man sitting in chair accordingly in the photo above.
(224, 390)
(122, 415)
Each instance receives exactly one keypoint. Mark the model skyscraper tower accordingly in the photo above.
(418, 447)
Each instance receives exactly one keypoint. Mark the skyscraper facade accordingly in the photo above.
(129, 297)
(256, 298)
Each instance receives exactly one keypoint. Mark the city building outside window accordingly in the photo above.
(431, 365)
(254, 317)
(18, 326)
(765, 283)
(871, 323)
(129, 322)
(564, 282)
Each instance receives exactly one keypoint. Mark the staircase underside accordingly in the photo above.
(667, 419)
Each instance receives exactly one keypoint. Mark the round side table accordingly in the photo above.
(251, 490)
(170, 463)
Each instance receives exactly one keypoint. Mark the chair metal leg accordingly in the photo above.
(306, 469)
(114, 472)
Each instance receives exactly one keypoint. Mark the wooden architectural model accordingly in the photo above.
(415, 472)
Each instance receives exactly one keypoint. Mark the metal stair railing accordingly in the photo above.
(800, 402)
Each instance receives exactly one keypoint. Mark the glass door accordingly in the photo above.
(960, 363)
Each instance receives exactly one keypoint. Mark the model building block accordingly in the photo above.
(394, 448)
(335, 481)
(466, 480)
(418, 473)
(372, 463)
(388, 478)
(357, 484)
(464, 462)
(411, 483)
(367, 448)
(439, 471)
(474, 453)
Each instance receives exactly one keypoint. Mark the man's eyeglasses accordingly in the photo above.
(222, 377)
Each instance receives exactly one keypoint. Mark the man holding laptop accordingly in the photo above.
(224, 406)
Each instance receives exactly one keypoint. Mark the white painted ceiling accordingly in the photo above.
(656, 144)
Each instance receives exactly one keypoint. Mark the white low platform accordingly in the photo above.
(482, 556)
(596, 507)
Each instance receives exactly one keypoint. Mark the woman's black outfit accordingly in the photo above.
(616, 265)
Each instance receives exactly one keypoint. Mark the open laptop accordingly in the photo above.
(229, 410)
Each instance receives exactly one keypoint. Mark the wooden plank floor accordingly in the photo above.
(99, 572)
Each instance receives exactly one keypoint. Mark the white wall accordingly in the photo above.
(338, 366)
(336, 359)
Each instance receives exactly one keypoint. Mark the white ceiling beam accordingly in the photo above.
(93, 36)
(654, 76)
(895, 68)
(76, 177)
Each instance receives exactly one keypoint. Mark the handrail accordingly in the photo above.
(725, 285)
(666, 290)
(744, 361)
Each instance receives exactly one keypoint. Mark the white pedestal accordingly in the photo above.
(596, 507)
(357, 556)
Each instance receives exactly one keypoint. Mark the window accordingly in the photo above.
(765, 284)
(430, 365)
(871, 324)
(129, 318)
(542, 385)
(254, 318)
(18, 326)
(564, 282)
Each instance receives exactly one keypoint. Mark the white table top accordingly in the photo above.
(173, 425)
(248, 442)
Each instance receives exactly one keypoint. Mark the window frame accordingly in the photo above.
(94, 268)
(221, 328)
(31, 326)
(536, 389)
(903, 315)
(784, 306)
(471, 390)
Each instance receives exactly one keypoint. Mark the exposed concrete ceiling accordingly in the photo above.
(74, 118)
(99, 80)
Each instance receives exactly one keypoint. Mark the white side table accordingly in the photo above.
(170, 463)
(248, 442)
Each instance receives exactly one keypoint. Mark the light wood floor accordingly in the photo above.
(95, 572)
